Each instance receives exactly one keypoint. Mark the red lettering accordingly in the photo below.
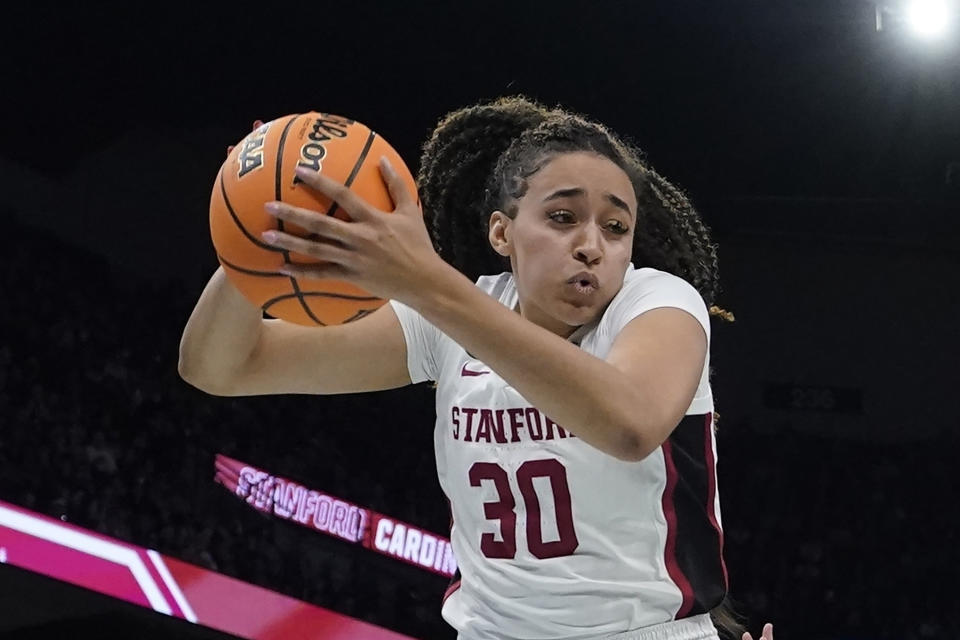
(516, 422)
(498, 433)
(490, 425)
(550, 424)
(563, 508)
(469, 413)
(486, 422)
(534, 426)
(502, 510)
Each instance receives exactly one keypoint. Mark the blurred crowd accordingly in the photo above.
(826, 538)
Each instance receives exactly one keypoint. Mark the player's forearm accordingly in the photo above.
(579, 391)
(222, 331)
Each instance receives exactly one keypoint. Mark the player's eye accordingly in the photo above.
(617, 227)
(562, 216)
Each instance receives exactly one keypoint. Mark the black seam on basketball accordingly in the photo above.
(233, 214)
(361, 159)
(356, 166)
(278, 192)
(318, 294)
(303, 303)
(359, 314)
(278, 182)
(250, 272)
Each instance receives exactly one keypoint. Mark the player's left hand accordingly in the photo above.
(767, 633)
(256, 125)
(388, 254)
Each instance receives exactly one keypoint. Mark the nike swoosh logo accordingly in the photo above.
(469, 372)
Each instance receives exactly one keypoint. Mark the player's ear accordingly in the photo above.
(499, 232)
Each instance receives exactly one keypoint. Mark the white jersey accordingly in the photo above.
(554, 538)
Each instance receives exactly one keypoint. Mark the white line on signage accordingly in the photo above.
(91, 545)
(161, 566)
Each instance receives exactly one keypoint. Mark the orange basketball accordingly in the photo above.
(260, 168)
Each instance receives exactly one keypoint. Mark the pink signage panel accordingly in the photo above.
(146, 578)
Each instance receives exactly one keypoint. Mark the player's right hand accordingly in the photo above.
(256, 125)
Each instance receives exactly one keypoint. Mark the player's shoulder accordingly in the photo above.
(647, 288)
(499, 286)
(650, 281)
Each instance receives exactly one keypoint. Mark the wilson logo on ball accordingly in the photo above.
(266, 159)
(251, 154)
(324, 129)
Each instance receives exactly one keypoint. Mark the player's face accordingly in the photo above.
(571, 240)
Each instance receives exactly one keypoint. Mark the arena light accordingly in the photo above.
(925, 19)
(929, 18)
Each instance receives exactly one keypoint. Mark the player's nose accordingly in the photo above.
(588, 246)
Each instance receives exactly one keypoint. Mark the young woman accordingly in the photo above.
(573, 435)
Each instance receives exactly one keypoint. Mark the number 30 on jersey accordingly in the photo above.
(503, 509)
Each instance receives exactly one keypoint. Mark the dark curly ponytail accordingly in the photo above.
(672, 237)
(478, 160)
(455, 166)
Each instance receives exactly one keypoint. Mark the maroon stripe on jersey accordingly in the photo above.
(711, 461)
(670, 552)
(453, 586)
(694, 549)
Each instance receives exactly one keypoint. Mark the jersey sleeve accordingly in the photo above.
(654, 291)
(422, 340)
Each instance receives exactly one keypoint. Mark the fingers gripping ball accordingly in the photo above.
(260, 168)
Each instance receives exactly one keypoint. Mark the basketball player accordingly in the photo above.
(574, 433)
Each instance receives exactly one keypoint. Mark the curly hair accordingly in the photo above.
(478, 160)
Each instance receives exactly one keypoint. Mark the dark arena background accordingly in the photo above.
(819, 138)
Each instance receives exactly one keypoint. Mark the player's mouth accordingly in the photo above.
(584, 283)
